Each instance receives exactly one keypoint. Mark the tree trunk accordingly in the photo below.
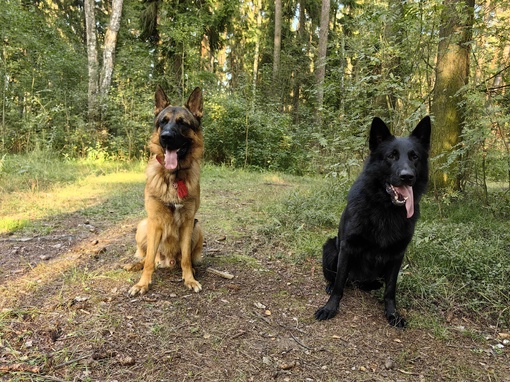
(110, 42)
(256, 56)
(320, 71)
(452, 73)
(296, 79)
(93, 66)
(391, 65)
(277, 38)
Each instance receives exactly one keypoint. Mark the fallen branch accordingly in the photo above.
(241, 333)
(408, 372)
(299, 342)
(216, 272)
(20, 367)
(72, 361)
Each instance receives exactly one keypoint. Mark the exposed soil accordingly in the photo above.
(65, 316)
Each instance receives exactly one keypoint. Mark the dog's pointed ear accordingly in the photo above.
(422, 132)
(195, 103)
(379, 132)
(161, 100)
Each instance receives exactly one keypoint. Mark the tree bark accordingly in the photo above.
(257, 8)
(277, 38)
(321, 58)
(110, 43)
(93, 65)
(452, 73)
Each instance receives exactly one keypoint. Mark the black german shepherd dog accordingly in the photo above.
(378, 221)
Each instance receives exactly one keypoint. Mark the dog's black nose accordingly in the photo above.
(166, 136)
(406, 176)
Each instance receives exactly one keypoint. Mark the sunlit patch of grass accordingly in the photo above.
(11, 224)
(21, 208)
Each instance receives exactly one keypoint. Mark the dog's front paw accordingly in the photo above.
(325, 313)
(138, 289)
(193, 284)
(397, 321)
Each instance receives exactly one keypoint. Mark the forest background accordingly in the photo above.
(289, 86)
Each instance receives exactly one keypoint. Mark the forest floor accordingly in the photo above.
(65, 314)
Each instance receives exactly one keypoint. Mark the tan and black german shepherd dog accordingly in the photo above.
(170, 234)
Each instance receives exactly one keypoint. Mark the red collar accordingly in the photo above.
(182, 189)
(179, 184)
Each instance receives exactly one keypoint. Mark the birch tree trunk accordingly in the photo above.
(321, 60)
(277, 38)
(256, 56)
(93, 65)
(110, 43)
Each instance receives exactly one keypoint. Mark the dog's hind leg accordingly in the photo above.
(331, 308)
(141, 247)
(329, 262)
(197, 244)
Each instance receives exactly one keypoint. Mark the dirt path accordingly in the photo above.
(65, 316)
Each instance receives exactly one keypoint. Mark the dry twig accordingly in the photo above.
(216, 272)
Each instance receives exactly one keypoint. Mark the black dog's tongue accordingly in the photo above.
(407, 194)
(402, 195)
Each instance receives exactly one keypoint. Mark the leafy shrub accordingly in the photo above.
(457, 263)
(237, 136)
(461, 263)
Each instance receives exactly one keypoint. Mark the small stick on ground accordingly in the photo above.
(216, 272)
(72, 361)
(20, 367)
(241, 333)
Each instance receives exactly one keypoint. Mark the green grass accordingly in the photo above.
(37, 186)
(460, 263)
(457, 263)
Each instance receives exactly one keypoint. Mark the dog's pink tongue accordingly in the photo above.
(170, 159)
(407, 192)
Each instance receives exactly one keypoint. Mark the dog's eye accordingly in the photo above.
(393, 155)
(413, 156)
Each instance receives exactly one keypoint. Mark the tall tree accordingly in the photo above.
(277, 37)
(452, 73)
(93, 65)
(110, 42)
(391, 67)
(257, 9)
(321, 58)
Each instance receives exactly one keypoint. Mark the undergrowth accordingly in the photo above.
(456, 265)
(459, 264)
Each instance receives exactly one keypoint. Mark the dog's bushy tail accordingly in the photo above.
(330, 259)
